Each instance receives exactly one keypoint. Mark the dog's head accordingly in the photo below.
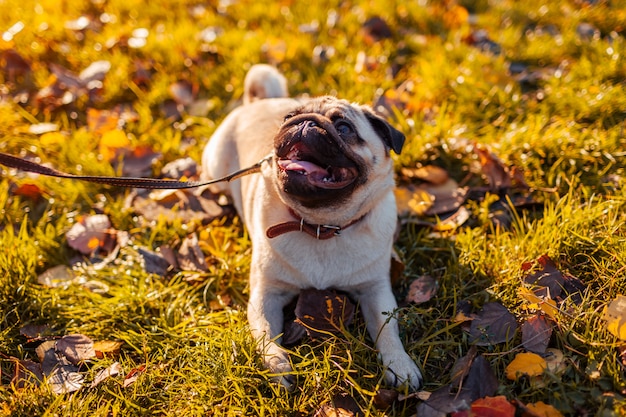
(328, 150)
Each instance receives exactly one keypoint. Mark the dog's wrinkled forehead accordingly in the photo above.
(330, 107)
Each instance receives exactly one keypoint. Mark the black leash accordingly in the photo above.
(132, 182)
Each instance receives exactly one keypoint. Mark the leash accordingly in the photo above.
(131, 182)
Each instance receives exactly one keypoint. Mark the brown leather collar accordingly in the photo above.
(318, 231)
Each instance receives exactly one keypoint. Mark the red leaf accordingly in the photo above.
(493, 407)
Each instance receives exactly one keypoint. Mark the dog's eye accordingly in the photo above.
(344, 129)
(289, 116)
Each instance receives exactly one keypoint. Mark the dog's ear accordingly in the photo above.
(393, 138)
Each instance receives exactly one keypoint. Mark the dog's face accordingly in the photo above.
(328, 149)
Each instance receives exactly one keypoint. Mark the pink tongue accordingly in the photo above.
(306, 166)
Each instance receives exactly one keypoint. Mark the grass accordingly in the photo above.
(560, 120)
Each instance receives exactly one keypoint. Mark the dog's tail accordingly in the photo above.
(264, 81)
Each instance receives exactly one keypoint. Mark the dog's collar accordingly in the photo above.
(318, 231)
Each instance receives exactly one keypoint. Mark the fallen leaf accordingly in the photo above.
(133, 375)
(111, 143)
(155, 262)
(536, 333)
(26, 372)
(107, 348)
(81, 234)
(548, 276)
(480, 381)
(422, 289)
(555, 361)
(77, 348)
(375, 29)
(615, 316)
(52, 138)
(190, 256)
(493, 324)
(429, 173)
(537, 302)
(453, 221)
(462, 366)
(493, 407)
(57, 276)
(322, 312)
(385, 398)
(541, 409)
(34, 332)
(64, 380)
(113, 370)
(526, 363)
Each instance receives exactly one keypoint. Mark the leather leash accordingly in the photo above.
(133, 182)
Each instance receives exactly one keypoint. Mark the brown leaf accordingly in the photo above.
(77, 348)
(27, 372)
(495, 172)
(492, 325)
(34, 332)
(137, 161)
(179, 204)
(536, 333)
(462, 367)
(87, 235)
(323, 311)
(422, 289)
(155, 262)
(385, 398)
(190, 256)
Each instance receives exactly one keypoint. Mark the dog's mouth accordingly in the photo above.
(316, 169)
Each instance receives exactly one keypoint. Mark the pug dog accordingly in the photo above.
(321, 214)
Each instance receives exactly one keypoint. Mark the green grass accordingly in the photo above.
(563, 127)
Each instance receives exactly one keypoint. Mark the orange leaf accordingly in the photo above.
(111, 141)
(493, 407)
(527, 363)
(542, 409)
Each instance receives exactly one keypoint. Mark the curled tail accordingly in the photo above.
(264, 81)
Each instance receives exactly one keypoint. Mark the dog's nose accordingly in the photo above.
(309, 124)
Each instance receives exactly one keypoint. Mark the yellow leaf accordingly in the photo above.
(420, 201)
(615, 316)
(52, 138)
(546, 305)
(542, 409)
(111, 141)
(527, 363)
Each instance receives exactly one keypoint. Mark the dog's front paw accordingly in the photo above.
(402, 370)
(282, 372)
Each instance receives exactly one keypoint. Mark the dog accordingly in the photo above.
(321, 214)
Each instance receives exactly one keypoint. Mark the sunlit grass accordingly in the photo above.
(562, 126)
